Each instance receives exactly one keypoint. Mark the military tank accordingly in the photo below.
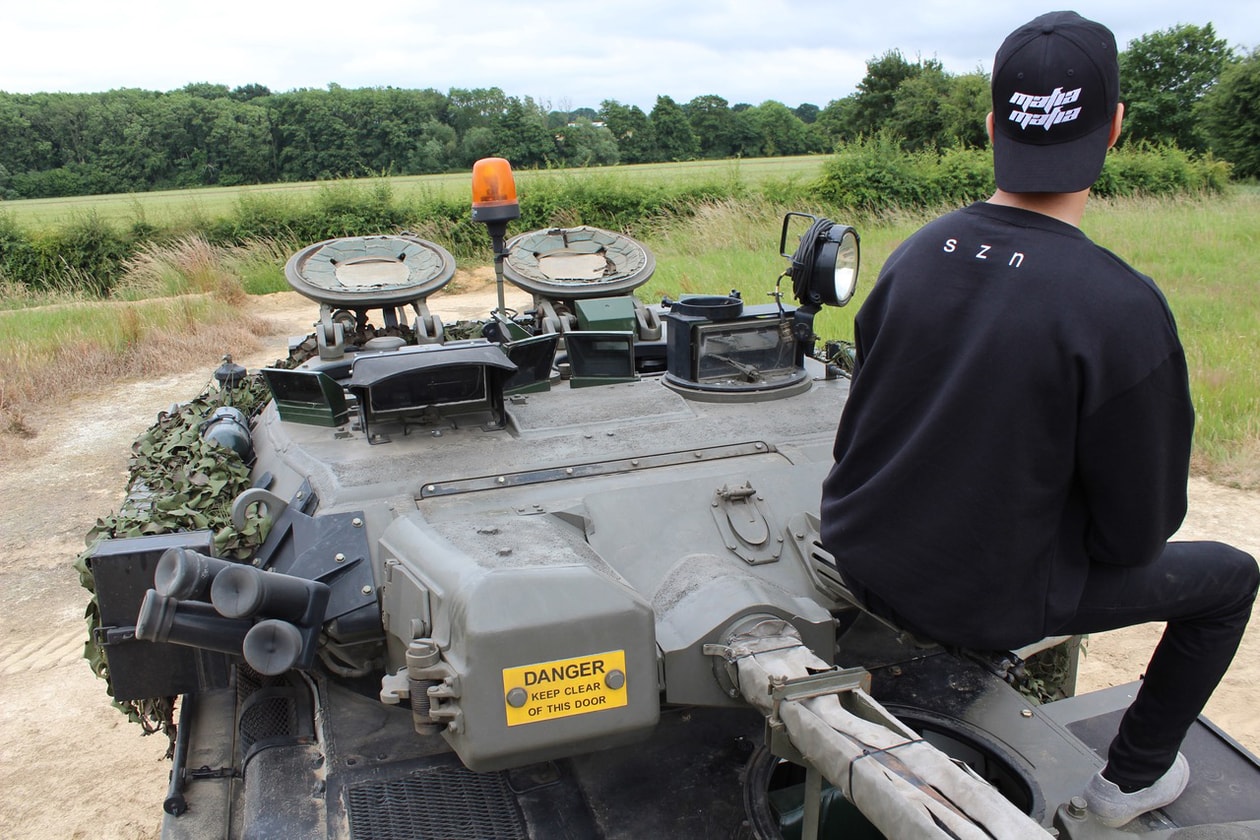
(559, 576)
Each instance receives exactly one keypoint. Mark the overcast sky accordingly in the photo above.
(564, 54)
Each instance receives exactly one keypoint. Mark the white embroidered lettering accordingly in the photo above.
(1048, 103)
(951, 245)
(1044, 111)
(1017, 260)
(1045, 121)
(981, 254)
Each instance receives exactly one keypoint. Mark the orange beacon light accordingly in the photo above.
(494, 204)
(493, 191)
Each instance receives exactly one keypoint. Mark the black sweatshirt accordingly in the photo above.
(1020, 410)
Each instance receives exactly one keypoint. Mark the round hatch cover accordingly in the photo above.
(577, 262)
(359, 271)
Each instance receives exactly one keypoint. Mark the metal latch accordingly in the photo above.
(745, 527)
(106, 636)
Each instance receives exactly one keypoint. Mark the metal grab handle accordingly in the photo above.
(272, 504)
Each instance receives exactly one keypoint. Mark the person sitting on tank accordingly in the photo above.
(1014, 453)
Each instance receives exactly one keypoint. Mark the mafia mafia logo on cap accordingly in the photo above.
(1056, 82)
(1044, 111)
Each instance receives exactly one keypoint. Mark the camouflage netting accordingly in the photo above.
(177, 482)
(1051, 674)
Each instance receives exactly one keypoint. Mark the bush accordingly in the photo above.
(90, 249)
(871, 175)
(1143, 169)
(86, 255)
(19, 258)
(964, 175)
(346, 209)
(608, 202)
(874, 173)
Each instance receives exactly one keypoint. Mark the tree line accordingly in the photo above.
(1183, 86)
(128, 140)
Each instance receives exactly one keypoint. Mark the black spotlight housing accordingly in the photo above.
(824, 270)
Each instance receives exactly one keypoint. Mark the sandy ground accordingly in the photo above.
(73, 767)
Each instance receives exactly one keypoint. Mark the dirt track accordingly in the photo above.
(73, 767)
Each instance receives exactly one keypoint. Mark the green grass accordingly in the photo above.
(103, 326)
(1204, 253)
(736, 246)
(179, 208)
(54, 353)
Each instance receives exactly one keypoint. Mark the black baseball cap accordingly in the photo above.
(1056, 82)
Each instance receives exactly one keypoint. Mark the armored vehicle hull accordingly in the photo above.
(556, 577)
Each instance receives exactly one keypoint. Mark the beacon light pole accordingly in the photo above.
(494, 204)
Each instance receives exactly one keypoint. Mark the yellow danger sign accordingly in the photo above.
(564, 687)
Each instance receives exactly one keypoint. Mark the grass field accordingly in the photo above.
(1204, 254)
(173, 207)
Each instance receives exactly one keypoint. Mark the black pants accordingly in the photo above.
(1204, 590)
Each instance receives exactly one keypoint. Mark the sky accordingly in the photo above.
(564, 55)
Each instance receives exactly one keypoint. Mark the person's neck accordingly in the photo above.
(1066, 207)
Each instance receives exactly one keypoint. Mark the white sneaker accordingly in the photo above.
(1114, 807)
